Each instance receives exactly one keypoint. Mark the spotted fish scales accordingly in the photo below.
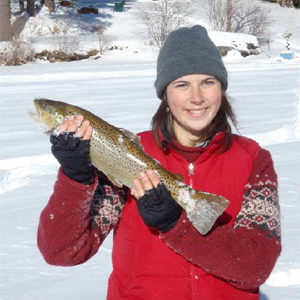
(118, 153)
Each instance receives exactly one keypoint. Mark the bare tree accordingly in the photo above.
(21, 5)
(163, 17)
(5, 25)
(30, 7)
(246, 17)
(49, 4)
(216, 11)
(288, 3)
(103, 39)
(249, 17)
(229, 15)
(296, 3)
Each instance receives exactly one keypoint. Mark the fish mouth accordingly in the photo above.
(43, 115)
(40, 108)
(36, 115)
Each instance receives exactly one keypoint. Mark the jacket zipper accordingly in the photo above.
(194, 277)
(191, 173)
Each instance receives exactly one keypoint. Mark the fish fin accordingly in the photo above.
(179, 177)
(114, 181)
(202, 209)
(133, 137)
(51, 131)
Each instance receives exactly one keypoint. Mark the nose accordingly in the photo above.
(196, 95)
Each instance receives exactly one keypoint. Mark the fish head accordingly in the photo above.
(50, 113)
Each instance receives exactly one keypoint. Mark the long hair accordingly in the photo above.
(162, 120)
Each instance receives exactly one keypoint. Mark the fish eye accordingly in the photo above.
(59, 117)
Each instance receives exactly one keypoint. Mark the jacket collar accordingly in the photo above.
(168, 145)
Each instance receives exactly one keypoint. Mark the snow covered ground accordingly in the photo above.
(265, 92)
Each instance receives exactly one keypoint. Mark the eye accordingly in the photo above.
(209, 82)
(181, 85)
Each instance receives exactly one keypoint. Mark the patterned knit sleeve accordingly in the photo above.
(243, 255)
(107, 206)
(260, 209)
(77, 218)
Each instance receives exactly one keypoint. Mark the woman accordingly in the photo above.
(157, 253)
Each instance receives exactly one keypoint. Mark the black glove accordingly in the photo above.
(158, 209)
(73, 154)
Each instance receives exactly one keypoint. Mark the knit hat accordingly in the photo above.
(188, 50)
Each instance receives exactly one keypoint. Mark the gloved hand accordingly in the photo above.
(73, 154)
(158, 209)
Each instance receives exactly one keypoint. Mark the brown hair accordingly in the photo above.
(162, 120)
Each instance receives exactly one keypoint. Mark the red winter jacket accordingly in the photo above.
(230, 262)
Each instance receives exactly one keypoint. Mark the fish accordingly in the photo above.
(119, 154)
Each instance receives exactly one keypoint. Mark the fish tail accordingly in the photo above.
(202, 208)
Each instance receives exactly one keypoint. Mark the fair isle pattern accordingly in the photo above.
(260, 208)
(107, 207)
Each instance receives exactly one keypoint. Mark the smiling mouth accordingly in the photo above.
(196, 112)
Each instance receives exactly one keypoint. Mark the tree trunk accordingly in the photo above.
(30, 7)
(229, 15)
(21, 5)
(49, 4)
(296, 3)
(5, 25)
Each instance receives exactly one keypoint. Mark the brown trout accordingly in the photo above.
(118, 153)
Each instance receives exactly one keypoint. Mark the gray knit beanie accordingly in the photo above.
(188, 51)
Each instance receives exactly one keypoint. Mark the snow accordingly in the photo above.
(285, 279)
(236, 40)
(265, 92)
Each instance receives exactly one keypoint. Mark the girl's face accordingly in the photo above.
(194, 101)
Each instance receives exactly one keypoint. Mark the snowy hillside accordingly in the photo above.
(65, 30)
(265, 92)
